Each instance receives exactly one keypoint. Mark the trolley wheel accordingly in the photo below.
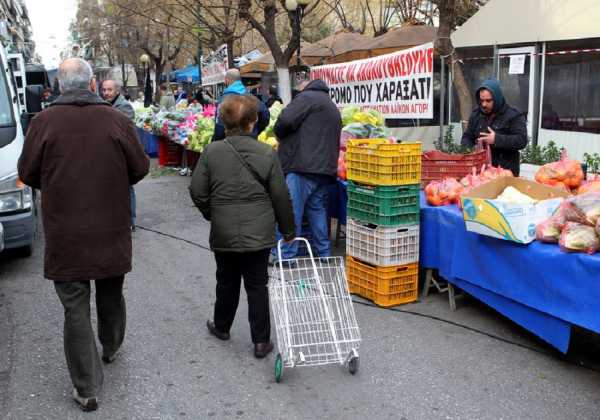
(278, 368)
(353, 364)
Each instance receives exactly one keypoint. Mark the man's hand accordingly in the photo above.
(489, 137)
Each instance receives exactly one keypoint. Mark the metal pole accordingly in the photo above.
(496, 73)
(442, 96)
(199, 46)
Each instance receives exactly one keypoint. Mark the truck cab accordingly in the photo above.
(17, 201)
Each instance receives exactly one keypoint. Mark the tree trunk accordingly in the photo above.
(159, 67)
(447, 9)
(285, 84)
(230, 63)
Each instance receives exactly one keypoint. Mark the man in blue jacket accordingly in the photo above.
(233, 81)
(500, 126)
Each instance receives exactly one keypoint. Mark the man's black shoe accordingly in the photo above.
(86, 404)
(214, 331)
(261, 350)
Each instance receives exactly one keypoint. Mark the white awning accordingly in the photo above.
(506, 22)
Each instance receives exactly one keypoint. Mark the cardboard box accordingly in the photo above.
(485, 215)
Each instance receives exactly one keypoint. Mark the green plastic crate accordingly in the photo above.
(384, 205)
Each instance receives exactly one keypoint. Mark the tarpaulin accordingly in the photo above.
(538, 286)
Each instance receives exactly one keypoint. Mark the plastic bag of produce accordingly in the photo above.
(565, 173)
(589, 205)
(576, 237)
(549, 231)
(589, 186)
(442, 193)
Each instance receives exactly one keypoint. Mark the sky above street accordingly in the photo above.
(50, 20)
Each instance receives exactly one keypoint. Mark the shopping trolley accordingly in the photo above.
(314, 317)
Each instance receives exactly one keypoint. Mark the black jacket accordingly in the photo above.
(509, 124)
(309, 130)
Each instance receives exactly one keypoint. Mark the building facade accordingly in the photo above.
(15, 29)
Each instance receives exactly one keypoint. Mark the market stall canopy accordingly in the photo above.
(395, 40)
(187, 74)
(517, 21)
(266, 63)
(339, 43)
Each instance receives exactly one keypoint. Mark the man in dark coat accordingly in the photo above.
(233, 80)
(309, 130)
(83, 155)
(498, 125)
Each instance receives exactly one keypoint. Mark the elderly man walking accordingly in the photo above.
(83, 156)
(111, 92)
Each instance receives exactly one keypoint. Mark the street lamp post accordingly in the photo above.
(298, 6)
(145, 60)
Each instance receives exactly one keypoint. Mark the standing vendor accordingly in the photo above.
(497, 124)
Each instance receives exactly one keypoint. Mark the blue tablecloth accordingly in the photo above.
(149, 141)
(538, 286)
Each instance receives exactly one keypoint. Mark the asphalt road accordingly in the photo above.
(412, 367)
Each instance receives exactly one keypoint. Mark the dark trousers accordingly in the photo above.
(253, 267)
(82, 356)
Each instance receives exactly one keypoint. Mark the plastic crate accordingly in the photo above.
(379, 162)
(382, 246)
(387, 206)
(438, 165)
(169, 153)
(385, 286)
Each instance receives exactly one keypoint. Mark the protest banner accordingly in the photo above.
(213, 73)
(398, 85)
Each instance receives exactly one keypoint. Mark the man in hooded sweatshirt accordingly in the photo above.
(309, 130)
(233, 81)
(497, 124)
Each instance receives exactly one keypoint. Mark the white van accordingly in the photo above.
(17, 202)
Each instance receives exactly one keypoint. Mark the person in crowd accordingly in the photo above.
(167, 100)
(180, 94)
(309, 130)
(498, 125)
(126, 94)
(233, 81)
(239, 186)
(273, 96)
(83, 155)
(110, 93)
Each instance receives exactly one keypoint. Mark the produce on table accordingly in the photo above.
(353, 114)
(342, 172)
(268, 136)
(589, 186)
(549, 231)
(202, 135)
(565, 173)
(513, 196)
(442, 193)
(576, 237)
(587, 205)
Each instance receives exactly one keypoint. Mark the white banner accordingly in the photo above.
(399, 85)
(213, 73)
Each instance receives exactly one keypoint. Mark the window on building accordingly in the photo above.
(572, 88)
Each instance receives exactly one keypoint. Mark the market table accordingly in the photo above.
(149, 141)
(538, 286)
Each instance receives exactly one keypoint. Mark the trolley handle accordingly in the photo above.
(299, 239)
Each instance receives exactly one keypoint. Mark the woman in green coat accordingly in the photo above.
(239, 186)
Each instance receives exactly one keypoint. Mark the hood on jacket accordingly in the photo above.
(494, 87)
(317, 84)
(236, 87)
(79, 97)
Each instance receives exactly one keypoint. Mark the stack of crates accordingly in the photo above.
(382, 232)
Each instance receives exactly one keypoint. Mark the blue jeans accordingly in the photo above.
(308, 197)
(133, 205)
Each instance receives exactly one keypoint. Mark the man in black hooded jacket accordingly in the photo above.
(309, 131)
(497, 124)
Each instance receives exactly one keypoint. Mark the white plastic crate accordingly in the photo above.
(382, 245)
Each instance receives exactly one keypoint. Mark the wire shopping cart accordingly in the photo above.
(314, 317)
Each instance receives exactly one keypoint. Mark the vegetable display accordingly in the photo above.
(565, 173)
(268, 136)
(576, 237)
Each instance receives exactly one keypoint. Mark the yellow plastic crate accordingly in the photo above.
(385, 286)
(379, 162)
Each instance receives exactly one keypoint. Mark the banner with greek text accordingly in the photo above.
(399, 85)
(213, 73)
